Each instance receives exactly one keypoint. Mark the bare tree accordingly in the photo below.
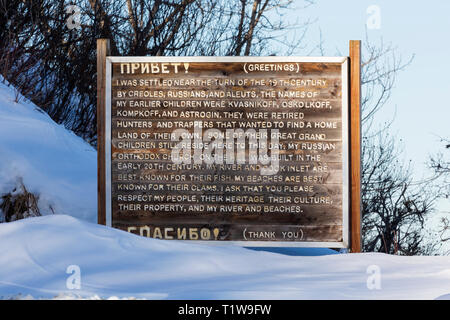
(380, 66)
(395, 207)
(61, 61)
(440, 164)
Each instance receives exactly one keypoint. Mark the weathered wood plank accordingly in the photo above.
(355, 145)
(224, 232)
(102, 52)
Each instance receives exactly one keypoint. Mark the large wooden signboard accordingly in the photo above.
(291, 189)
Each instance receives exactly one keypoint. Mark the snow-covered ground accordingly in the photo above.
(63, 255)
(51, 161)
(36, 254)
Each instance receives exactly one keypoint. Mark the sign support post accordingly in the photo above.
(355, 145)
(102, 52)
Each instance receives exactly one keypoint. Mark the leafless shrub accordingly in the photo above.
(395, 206)
(62, 61)
(19, 204)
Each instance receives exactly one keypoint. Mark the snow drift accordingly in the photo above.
(50, 161)
(37, 253)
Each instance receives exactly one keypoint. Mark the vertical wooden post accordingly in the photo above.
(102, 52)
(355, 145)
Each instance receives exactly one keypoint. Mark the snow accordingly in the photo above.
(51, 161)
(37, 252)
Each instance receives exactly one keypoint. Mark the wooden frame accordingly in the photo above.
(352, 221)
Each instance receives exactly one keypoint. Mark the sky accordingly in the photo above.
(419, 101)
(420, 97)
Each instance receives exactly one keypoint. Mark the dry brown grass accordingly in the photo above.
(19, 204)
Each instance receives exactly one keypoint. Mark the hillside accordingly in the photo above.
(50, 161)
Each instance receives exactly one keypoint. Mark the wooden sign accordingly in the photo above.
(246, 150)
